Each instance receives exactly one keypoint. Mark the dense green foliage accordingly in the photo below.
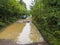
(46, 16)
(10, 11)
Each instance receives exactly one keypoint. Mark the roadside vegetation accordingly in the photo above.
(10, 11)
(46, 16)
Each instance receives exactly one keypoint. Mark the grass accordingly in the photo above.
(11, 32)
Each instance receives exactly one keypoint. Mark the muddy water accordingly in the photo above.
(35, 34)
(12, 31)
(29, 35)
(24, 37)
(23, 33)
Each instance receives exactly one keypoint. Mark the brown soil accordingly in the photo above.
(9, 42)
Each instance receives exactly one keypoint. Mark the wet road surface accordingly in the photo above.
(22, 34)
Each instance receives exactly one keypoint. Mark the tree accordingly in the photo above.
(11, 10)
(46, 15)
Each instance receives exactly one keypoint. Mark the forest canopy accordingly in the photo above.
(11, 10)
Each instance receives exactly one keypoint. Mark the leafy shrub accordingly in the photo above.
(2, 24)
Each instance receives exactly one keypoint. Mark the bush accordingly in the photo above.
(2, 24)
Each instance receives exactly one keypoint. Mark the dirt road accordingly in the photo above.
(21, 33)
